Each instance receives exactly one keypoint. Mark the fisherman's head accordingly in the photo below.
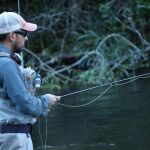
(13, 30)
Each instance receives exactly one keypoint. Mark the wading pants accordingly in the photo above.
(15, 141)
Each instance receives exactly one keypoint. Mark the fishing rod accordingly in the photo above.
(115, 83)
(111, 83)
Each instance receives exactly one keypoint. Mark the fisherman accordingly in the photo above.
(18, 107)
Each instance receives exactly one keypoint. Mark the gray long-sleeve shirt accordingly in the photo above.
(18, 99)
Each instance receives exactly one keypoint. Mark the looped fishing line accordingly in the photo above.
(82, 105)
(115, 83)
(41, 139)
(43, 142)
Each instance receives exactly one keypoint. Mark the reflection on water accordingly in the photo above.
(118, 121)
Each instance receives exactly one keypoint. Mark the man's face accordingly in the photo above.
(21, 38)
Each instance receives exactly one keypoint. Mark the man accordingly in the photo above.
(18, 108)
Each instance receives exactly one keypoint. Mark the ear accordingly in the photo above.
(12, 37)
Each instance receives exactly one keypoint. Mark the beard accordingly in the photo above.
(17, 48)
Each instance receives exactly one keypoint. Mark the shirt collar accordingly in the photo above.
(3, 48)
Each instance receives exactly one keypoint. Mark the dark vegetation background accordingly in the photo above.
(86, 41)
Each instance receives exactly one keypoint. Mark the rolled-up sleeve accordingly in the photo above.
(17, 92)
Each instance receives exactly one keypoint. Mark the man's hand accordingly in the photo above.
(53, 99)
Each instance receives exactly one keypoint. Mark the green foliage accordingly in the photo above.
(109, 39)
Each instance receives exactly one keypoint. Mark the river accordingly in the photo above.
(120, 120)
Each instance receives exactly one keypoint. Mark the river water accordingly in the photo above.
(120, 120)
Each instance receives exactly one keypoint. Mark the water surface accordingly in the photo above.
(120, 120)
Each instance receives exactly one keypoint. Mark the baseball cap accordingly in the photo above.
(11, 21)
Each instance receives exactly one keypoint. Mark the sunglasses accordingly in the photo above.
(21, 32)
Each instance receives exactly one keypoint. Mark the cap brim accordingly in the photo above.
(30, 26)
